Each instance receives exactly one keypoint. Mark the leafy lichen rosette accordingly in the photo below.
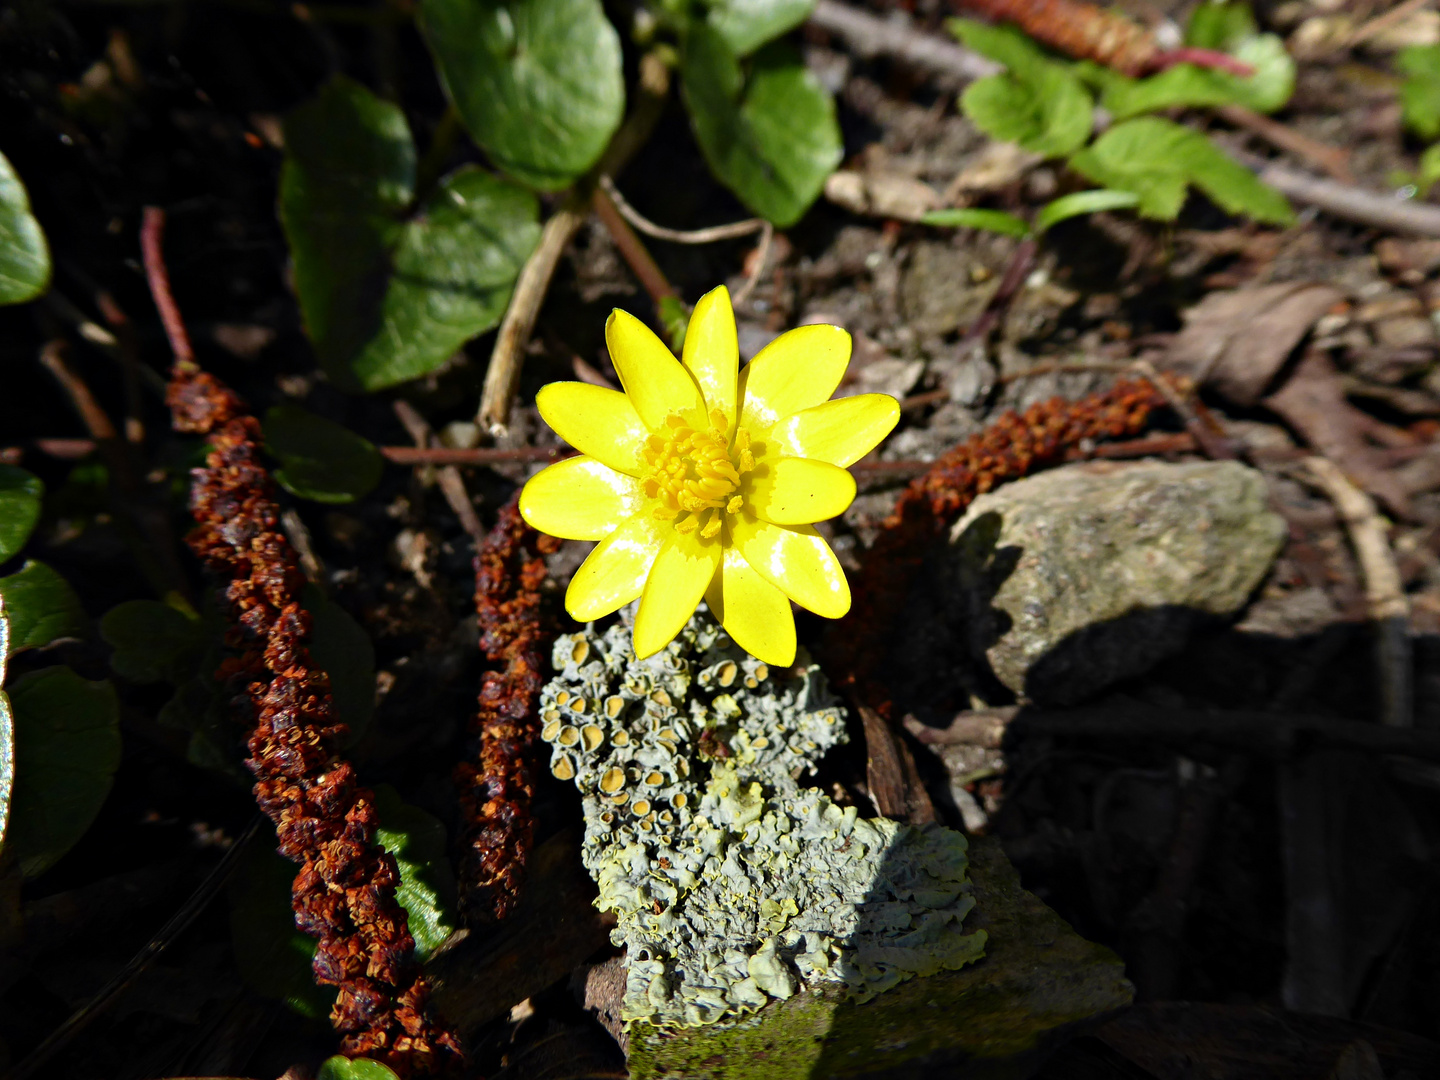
(732, 883)
(704, 481)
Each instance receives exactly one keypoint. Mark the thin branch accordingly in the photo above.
(152, 235)
(712, 235)
(762, 256)
(1332, 159)
(79, 1020)
(452, 485)
(642, 264)
(868, 36)
(1378, 209)
(446, 455)
(1384, 594)
(1382, 22)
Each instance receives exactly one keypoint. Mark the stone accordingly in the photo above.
(1073, 579)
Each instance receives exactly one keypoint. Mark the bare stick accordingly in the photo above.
(1384, 595)
(711, 235)
(868, 36)
(1332, 159)
(762, 256)
(1382, 22)
(152, 235)
(446, 455)
(640, 261)
(1378, 209)
(502, 378)
(452, 484)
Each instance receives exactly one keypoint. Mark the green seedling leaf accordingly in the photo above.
(1420, 93)
(1158, 160)
(24, 255)
(343, 650)
(388, 295)
(1221, 26)
(1039, 102)
(747, 24)
(772, 137)
(7, 729)
(538, 83)
(1188, 86)
(970, 218)
(42, 607)
(67, 748)
(20, 495)
(343, 1068)
(320, 459)
(427, 885)
(152, 642)
(273, 956)
(1082, 202)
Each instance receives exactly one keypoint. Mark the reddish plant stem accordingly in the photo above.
(152, 236)
(496, 790)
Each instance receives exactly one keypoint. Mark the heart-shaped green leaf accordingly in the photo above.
(320, 459)
(748, 24)
(20, 495)
(42, 607)
(152, 641)
(67, 748)
(388, 294)
(24, 255)
(538, 83)
(771, 137)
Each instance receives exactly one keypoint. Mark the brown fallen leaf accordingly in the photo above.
(877, 193)
(1237, 340)
(1312, 401)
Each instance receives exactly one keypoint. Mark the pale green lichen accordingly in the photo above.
(733, 884)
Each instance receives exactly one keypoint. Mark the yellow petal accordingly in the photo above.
(795, 559)
(840, 431)
(596, 421)
(580, 499)
(674, 590)
(797, 491)
(615, 572)
(653, 379)
(754, 613)
(798, 370)
(712, 354)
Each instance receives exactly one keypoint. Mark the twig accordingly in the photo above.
(869, 36)
(1332, 159)
(502, 378)
(762, 256)
(713, 234)
(1214, 443)
(631, 249)
(152, 235)
(452, 485)
(122, 981)
(1355, 204)
(298, 533)
(1382, 22)
(454, 455)
(1384, 594)
(1011, 282)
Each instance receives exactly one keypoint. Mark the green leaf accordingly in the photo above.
(675, 317)
(67, 748)
(343, 1068)
(272, 955)
(1003, 44)
(1157, 160)
(427, 885)
(42, 607)
(24, 255)
(538, 83)
(1188, 86)
(772, 137)
(343, 650)
(320, 459)
(152, 642)
(969, 218)
(1429, 171)
(1420, 93)
(386, 297)
(1220, 26)
(1082, 202)
(20, 495)
(747, 24)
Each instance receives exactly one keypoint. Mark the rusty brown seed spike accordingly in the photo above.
(1012, 446)
(1077, 29)
(496, 791)
(344, 893)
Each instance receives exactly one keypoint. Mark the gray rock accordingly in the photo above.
(1076, 578)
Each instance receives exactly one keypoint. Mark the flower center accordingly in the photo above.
(693, 475)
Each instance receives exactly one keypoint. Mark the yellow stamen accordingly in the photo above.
(690, 475)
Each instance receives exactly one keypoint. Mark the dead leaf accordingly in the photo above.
(1236, 341)
(882, 194)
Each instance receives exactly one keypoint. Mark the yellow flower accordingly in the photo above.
(704, 481)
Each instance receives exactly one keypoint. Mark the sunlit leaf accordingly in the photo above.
(538, 83)
(67, 748)
(1082, 202)
(343, 1068)
(24, 255)
(320, 459)
(42, 607)
(1420, 92)
(770, 135)
(20, 495)
(1188, 86)
(427, 885)
(747, 24)
(973, 218)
